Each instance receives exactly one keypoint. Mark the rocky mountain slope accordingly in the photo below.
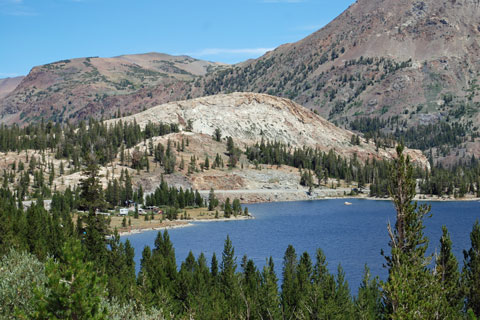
(379, 57)
(249, 117)
(79, 88)
(408, 61)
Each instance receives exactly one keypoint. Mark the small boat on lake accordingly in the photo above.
(347, 203)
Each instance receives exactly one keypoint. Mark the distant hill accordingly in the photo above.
(79, 88)
(7, 85)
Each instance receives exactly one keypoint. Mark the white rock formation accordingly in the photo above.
(247, 117)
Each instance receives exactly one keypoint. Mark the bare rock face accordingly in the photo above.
(249, 117)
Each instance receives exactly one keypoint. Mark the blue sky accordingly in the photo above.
(34, 32)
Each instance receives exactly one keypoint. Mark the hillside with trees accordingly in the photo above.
(53, 267)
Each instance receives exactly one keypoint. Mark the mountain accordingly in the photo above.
(407, 63)
(79, 88)
(377, 58)
(7, 85)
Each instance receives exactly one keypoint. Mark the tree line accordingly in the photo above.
(74, 141)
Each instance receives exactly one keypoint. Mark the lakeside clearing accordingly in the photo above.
(192, 215)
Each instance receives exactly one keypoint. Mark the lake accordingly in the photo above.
(351, 235)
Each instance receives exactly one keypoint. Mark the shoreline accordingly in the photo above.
(268, 196)
(249, 196)
(182, 224)
(430, 199)
(232, 218)
(141, 230)
(190, 222)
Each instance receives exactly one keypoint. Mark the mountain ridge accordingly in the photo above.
(407, 63)
(74, 89)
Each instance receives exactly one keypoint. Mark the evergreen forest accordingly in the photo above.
(55, 267)
(48, 151)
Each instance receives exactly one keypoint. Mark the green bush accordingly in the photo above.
(20, 272)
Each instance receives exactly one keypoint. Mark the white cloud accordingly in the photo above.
(220, 51)
(16, 8)
(25, 12)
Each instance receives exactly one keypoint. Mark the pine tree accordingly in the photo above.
(411, 291)
(471, 271)
(303, 283)
(249, 287)
(74, 290)
(198, 199)
(206, 163)
(269, 301)
(289, 296)
(343, 300)
(140, 195)
(91, 199)
(37, 231)
(214, 266)
(121, 270)
(228, 280)
(217, 135)
(164, 247)
(91, 194)
(147, 162)
(368, 304)
(236, 207)
(227, 211)
(51, 175)
(170, 160)
(446, 270)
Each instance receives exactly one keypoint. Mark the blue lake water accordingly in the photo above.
(350, 235)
